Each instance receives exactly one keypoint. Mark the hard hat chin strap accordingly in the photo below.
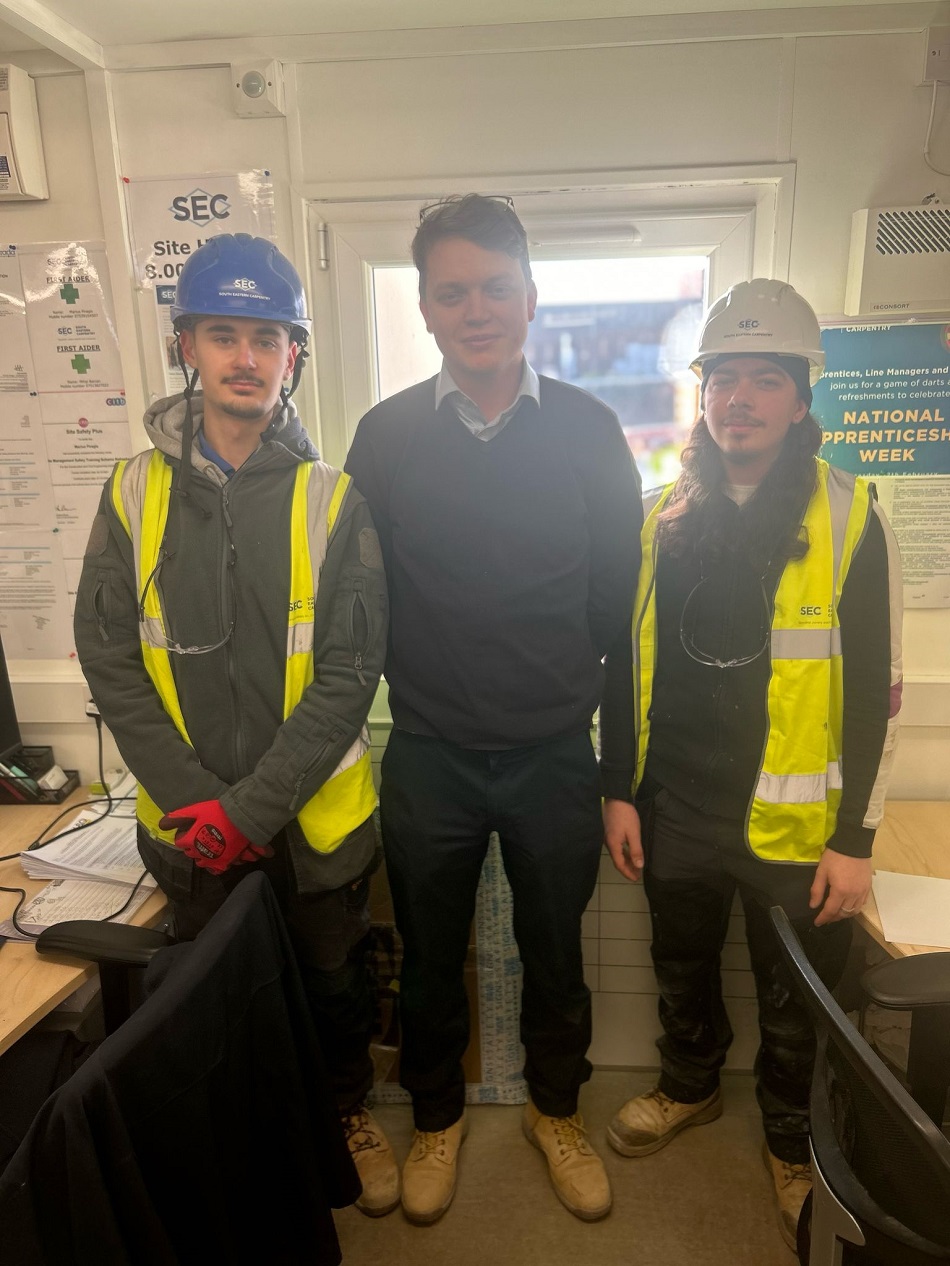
(302, 357)
(188, 430)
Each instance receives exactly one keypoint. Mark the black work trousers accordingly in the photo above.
(328, 932)
(439, 804)
(695, 865)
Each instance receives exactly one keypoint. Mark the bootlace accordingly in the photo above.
(792, 1172)
(428, 1142)
(358, 1131)
(664, 1102)
(570, 1133)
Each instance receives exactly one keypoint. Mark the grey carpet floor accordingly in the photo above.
(705, 1200)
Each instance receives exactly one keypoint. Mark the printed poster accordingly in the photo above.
(26, 490)
(35, 618)
(169, 219)
(69, 317)
(884, 400)
(63, 424)
(884, 407)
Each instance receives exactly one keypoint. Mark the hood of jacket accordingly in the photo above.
(165, 422)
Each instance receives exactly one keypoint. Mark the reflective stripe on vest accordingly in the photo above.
(140, 495)
(794, 804)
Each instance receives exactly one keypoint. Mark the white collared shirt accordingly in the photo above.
(471, 415)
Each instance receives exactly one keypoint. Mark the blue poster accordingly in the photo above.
(884, 401)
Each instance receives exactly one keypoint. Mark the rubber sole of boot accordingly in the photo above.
(380, 1211)
(585, 1215)
(711, 1112)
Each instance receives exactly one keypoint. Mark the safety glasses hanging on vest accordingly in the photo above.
(176, 647)
(715, 605)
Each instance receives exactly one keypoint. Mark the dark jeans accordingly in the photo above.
(439, 803)
(327, 931)
(695, 865)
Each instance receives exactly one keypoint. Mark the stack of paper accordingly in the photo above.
(94, 871)
(104, 849)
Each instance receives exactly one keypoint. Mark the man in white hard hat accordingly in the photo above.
(750, 747)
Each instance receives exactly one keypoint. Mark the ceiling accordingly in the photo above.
(116, 22)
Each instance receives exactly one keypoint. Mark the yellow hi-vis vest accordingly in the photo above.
(140, 496)
(794, 804)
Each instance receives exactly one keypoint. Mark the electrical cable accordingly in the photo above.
(110, 802)
(930, 128)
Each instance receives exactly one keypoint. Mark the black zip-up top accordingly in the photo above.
(225, 576)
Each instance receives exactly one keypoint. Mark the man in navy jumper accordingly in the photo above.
(508, 511)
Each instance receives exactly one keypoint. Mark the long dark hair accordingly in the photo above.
(768, 529)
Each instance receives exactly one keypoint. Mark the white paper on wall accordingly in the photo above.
(69, 317)
(169, 218)
(34, 610)
(60, 434)
(918, 509)
(26, 491)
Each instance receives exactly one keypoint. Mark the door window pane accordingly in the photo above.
(625, 330)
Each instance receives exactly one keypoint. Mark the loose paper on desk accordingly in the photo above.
(104, 849)
(73, 899)
(914, 909)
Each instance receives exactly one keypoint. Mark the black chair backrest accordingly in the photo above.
(881, 1155)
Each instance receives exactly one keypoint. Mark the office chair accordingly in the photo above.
(119, 951)
(881, 1168)
(921, 984)
(201, 1130)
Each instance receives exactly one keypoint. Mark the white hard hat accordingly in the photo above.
(761, 317)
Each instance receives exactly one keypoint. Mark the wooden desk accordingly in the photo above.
(32, 984)
(914, 839)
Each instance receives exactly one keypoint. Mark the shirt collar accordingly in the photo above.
(530, 386)
(212, 456)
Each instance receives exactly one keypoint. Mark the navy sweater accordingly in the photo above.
(511, 564)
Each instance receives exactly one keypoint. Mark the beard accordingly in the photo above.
(247, 412)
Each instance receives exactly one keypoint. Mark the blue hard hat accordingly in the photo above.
(237, 275)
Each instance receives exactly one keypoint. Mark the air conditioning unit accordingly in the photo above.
(900, 261)
(22, 166)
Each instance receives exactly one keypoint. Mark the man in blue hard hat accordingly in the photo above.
(231, 623)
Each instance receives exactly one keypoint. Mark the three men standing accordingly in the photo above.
(747, 724)
(508, 512)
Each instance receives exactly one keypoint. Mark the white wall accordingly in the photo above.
(846, 109)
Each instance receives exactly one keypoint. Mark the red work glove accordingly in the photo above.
(205, 833)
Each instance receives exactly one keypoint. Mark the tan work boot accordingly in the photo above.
(647, 1123)
(792, 1184)
(430, 1172)
(374, 1161)
(576, 1171)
